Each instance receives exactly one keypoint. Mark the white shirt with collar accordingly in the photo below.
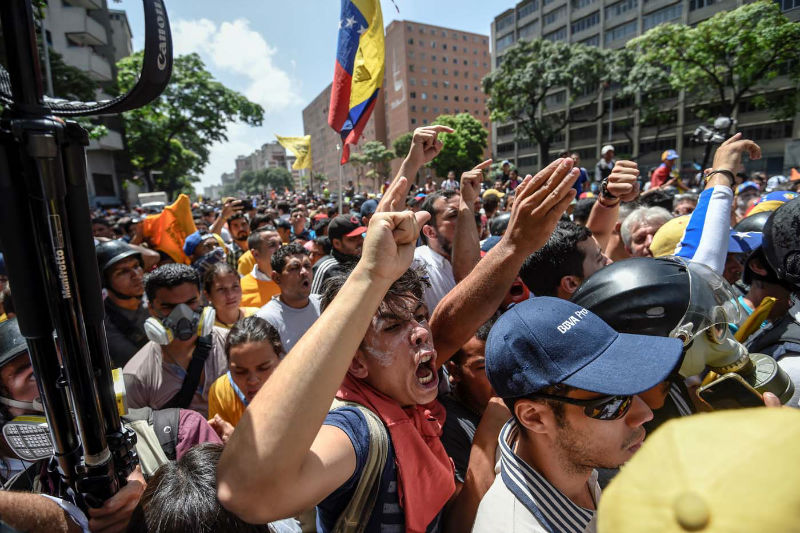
(521, 500)
(260, 275)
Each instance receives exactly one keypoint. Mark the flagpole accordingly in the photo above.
(341, 198)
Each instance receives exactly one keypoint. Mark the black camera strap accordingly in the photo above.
(184, 396)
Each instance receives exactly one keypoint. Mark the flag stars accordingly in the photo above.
(350, 22)
(362, 30)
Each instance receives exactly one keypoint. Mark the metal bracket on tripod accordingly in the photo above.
(45, 230)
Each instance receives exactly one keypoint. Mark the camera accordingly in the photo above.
(715, 134)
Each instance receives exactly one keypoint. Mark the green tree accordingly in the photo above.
(402, 144)
(532, 71)
(725, 59)
(173, 135)
(462, 149)
(374, 155)
(254, 182)
(320, 178)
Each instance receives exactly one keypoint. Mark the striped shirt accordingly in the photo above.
(521, 500)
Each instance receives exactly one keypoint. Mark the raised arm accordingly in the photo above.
(229, 208)
(280, 460)
(540, 201)
(622, 186)
(425, 145)
(466, 241)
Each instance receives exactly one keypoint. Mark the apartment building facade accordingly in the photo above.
(611, 24)
(92, 38)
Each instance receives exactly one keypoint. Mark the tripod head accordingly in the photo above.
(43, 189)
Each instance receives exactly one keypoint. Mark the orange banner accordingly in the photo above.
(168, 230)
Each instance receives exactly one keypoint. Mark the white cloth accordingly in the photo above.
(260, 275)
(440, 275)
(290, 322)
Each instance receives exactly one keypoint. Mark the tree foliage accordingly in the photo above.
(254, 182)
(462, 149)
(729, 57)
(533, 70)
(402, 144)
(372, 158)
(174, 134)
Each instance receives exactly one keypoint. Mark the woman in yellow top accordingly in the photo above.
(253, 349)
(223, 291)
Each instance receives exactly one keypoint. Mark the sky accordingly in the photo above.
(280, 54)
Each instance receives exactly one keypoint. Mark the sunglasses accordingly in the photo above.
(603, 408)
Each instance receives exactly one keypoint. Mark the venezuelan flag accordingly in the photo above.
(358, 75)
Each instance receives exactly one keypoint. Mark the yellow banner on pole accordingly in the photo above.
(300, 147)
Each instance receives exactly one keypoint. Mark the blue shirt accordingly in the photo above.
(387, 515)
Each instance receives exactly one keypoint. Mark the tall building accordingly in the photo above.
(270, 155)
(325, 156)
(430, 71)
(611, 24)
(91, 38)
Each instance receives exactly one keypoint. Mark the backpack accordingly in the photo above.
(157, 436)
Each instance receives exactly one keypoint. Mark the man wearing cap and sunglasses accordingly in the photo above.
(572, 384)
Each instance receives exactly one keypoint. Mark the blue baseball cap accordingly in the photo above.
(744, 242)
(368, 208)
(669, 155)
(193, 241)
(746, 186)
(546, 341)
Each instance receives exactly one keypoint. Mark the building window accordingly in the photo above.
(424, 120)
(424, 69)
(455, 73)
(445, 71)
(412, 81)
(446, 84)
(444, 59)
(424, 82)
(413, 108)
(413, 121)
(411, 68)
(412, 95)
(422, 30)
(433, 44)
(424, 109)
(410, 54)
(435, 83)
(444, 46)
(504, 42)
(620, 8)
(527, 8)
(699, 4)
(435, 96)
(786, 5)
(433, 58)
(433, 70)
(528, 31)
(424, 96)
(586, 22)
(410, 27)
(554, 15)
(455, 98)
(435, 109)
(622, 31)
(446, 98)
(666, 14)
(504, 22)
(594, 40)
(559, 35)
(556, 99)
(578, 4)
(411, 41)
(546, 3)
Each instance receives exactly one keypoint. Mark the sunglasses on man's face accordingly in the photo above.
(602, 408)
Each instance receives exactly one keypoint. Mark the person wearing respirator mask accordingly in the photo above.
(181, 331)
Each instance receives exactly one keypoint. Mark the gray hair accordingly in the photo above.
(657, 215)
(687, 197)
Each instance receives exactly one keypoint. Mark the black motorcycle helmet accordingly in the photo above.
(499, 223)
(753, 222)
(781, 242)
(356, 201)
(641, 295)
(109, 253)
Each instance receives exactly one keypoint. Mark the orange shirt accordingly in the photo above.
(256, 292)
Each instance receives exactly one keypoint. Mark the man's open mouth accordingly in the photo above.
(426, 370)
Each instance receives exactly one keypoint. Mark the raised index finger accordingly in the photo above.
(481, 166)
(440, 128)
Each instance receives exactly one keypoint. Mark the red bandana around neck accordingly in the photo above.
(425, 479)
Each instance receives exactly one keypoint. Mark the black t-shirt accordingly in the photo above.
(458, 432)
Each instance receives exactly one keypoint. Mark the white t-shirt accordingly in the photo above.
(290, 322)
(440, 275)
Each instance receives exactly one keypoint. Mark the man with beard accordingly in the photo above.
(572, 384)
(122, 273)
(347, 237)
(295, 309)
(240, 230)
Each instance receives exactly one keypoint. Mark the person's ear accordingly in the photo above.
(276, 276)
(537, 417)
(429, 232)
(358, 365)
(617, 226)
(570, 284)
(756, 266)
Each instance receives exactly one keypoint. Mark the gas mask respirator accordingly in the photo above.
(709, 343)
(182, 324)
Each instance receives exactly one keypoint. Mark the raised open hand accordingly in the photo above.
(425, 144)
(729, 153)
(540, 202)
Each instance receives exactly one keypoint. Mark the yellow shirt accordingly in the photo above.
(246, 311)
(223, 401)
(256, 293)
(246, 263)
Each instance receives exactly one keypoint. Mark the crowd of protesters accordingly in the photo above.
(483, 354)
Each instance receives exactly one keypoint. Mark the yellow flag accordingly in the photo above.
(300, 147)
(167, 230)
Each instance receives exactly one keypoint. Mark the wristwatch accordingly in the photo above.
(727, 173)
(604, 190)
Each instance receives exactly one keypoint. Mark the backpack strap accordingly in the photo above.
(165, 424)
(355, 516)
(786, 330)
(184, 396)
